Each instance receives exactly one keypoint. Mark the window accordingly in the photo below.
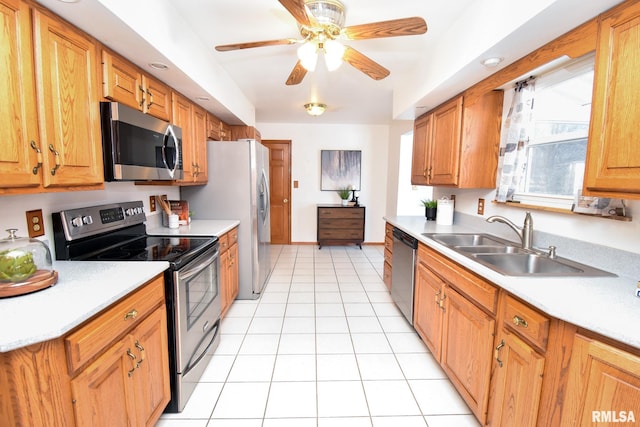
(556, 151)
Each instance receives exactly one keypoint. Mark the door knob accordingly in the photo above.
(285, 201)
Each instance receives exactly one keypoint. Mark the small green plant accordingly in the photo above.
(429, 203)
(344, 193)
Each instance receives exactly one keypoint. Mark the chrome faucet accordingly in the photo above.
(525, 232)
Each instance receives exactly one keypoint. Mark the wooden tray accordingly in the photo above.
(39, 280)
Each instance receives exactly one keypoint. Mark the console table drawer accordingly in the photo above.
(339, 225)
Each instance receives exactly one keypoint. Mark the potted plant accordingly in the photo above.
(344, 194)
(430, 208)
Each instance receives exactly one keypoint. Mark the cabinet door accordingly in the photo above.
(151, 385)
(103, 392)
(121, 81)
(467, 350)
(213, 127)
(200, 144)
(419, 156)
(445, 143)
(517, 382)
(604, 382)
(427, 310)
(233, 273)
(157, 98)
(18, 160)
(225, 273)
(68, 106)
(182, 117)
(613, 158)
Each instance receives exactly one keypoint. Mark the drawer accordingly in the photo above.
(341, 223)
(473, 286)
(388, 230)
(223, 241)
(232, 236)
(93, 336)
(388, 243)
(526, 321)
(388, 256)
(341, 213)
(386, 275)
(340, 234)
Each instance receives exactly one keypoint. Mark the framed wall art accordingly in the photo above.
(340, 169)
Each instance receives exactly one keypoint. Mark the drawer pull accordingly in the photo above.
(519, 321)
(131, 315)
(496, 353)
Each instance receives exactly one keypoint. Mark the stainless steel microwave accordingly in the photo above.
(139, 147)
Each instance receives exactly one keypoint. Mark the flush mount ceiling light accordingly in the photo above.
(492, 62)
(315, 108)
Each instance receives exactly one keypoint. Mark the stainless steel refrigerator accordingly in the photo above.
(238, 188)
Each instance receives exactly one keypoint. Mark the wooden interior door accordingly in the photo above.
(280, 183)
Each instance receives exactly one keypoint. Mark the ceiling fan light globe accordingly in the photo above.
(308, 55)
(333, 53)
(315, 108)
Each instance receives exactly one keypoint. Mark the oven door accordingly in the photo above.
(197, 310)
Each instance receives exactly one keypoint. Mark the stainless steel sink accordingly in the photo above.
(464, 239)
(508, 259)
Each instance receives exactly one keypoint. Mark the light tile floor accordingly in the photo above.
(325, 346)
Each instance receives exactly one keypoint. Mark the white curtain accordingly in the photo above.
(518, 128)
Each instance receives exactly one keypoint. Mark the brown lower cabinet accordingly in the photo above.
(111, 370)
(515, 365)
(228, 269)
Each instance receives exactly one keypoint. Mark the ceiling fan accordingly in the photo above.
(321, 25)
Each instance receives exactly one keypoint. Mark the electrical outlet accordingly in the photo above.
(35, 223)
(152, 203)
(480, 206)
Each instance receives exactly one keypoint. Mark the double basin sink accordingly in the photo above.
(508, 259)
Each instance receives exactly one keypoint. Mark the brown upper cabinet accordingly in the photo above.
(457, 144)
(192, 120)
(124, 82)
(613, 157)
(244, 132)
(53, 139)
(213, 127)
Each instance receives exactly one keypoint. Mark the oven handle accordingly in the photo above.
(169, 133)
(200, 263)
(191, 363)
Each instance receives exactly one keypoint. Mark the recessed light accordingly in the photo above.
(158, 66)
(492, 62)
(203, 98)
(69, 1)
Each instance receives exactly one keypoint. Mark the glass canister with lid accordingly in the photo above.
(25, 265)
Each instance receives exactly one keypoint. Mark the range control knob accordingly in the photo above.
(77, 221)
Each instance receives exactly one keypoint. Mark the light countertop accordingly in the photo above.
(84, 288)
(605, 305)
(198, 227)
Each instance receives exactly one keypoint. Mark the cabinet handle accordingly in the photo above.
(150, 98)
(130, 354)
(142, 97)
(496, 353)
(38, 157)
(141, 349)
(429, 173)
(57, 156)
(437, 297)
(519, 321)
(444, 296)
(131, 315)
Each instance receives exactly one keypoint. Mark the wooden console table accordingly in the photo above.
(340, 225)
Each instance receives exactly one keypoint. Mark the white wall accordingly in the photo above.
(306, 143)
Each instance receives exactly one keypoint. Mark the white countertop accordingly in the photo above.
(606, 305)
(197, 227)
(84, 288)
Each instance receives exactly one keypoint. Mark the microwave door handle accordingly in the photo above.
(168, 133)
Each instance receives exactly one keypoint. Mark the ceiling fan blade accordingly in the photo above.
(236, 46)
(297, 74)
(393, 28)
(364, 64)
(298, 10)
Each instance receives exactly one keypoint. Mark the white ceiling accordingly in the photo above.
(248, 86)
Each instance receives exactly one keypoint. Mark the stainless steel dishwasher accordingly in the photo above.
(403, 266)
